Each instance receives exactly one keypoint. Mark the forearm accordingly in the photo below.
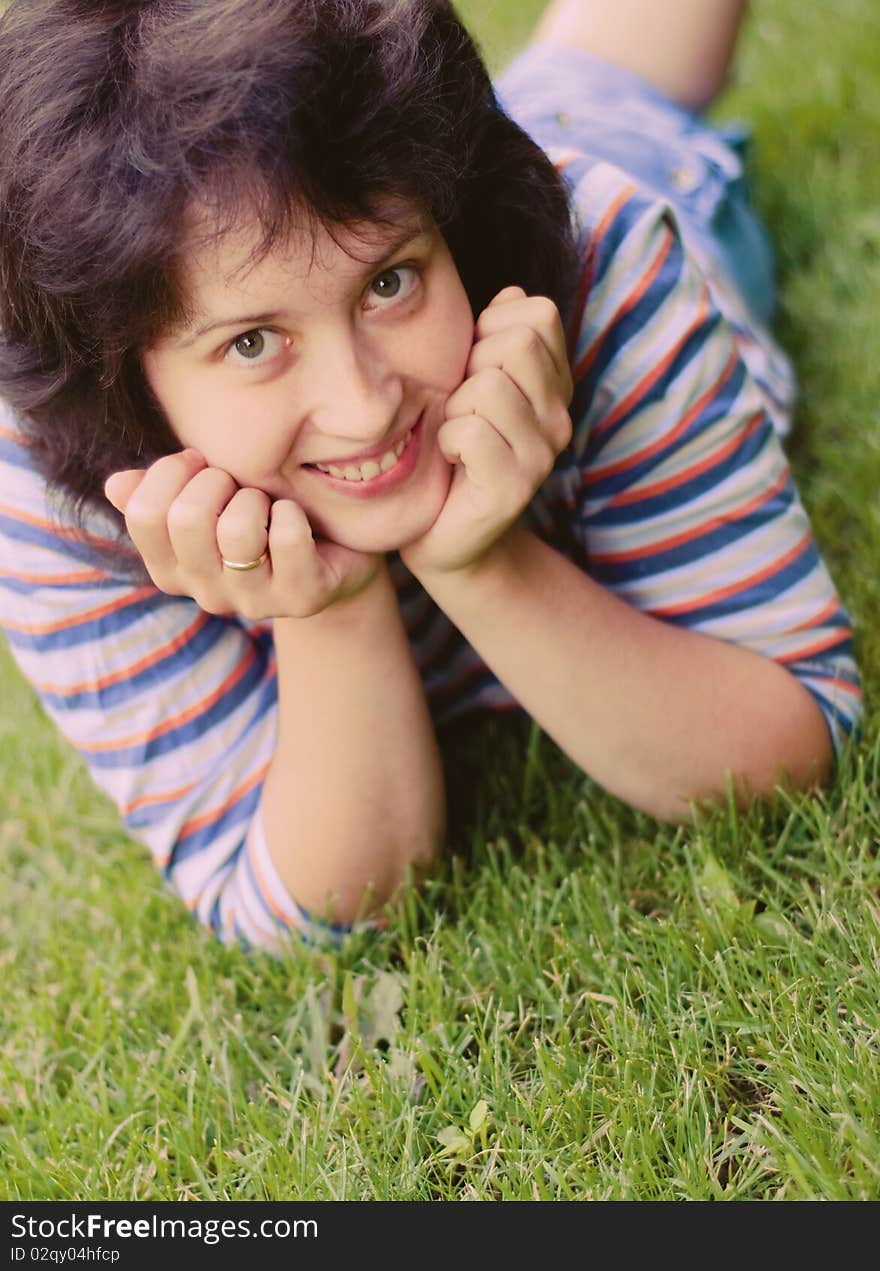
(354, 796)
(657, 714)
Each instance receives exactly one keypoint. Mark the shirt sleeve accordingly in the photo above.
(682, 499)
(172, 709)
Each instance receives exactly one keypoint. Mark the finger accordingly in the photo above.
(505, 296)
(542, 315)
(521, 354)
(120, 486)
(243, 534)
(471, 442)
(146, 512)
(492, 395)
(299, 573)
(193, 519)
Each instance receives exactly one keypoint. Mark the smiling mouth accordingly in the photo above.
(369, 469)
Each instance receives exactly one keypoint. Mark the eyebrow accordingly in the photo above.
(406, 234)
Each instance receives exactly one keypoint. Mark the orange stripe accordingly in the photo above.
(639, 493)
(668, 439)
(199, 822)
(15, 514)
(828, 612)
(561, 161)
(631, 301)
(149, 799)
(127, 672)
(46, 628)
(11, 435)
(643, 388)
(819, 647)
(265, 894)
(54, 528)
(721, 593)
(57, 580)
(687, 536)
(587, 275)
(192, 712)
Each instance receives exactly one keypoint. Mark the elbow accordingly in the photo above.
(795, 755)
(805, 767)
(352, 888)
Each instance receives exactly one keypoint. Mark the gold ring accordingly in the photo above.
(242, 566)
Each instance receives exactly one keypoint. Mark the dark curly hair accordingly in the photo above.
(117, 115)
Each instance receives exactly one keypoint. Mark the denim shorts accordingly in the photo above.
(568, 99)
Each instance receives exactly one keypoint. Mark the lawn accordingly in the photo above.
(583, 1004)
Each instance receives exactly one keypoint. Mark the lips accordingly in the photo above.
(377, 474)
(367, 469)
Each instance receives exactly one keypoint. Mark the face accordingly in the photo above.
(320, 373)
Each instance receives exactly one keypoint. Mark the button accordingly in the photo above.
(685, 179)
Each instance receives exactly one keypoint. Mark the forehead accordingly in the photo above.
(237, 255)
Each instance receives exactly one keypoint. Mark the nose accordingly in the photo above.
(355, 394)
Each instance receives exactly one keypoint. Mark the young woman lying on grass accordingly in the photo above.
(369, 414)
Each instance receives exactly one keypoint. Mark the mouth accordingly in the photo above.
(378, 474)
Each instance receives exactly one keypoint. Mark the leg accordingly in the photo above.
(682, 47)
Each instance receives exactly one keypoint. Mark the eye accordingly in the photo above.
(391, 285)
(255, 347)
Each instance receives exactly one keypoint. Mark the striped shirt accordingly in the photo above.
(674, 493)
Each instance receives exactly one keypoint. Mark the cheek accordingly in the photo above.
(449, 339)
(172, 388)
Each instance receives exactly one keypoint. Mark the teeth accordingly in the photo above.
(370, 469)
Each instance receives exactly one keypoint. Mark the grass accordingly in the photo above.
(584, 1004)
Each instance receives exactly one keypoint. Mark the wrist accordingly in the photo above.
(504, 560)
(373, 601)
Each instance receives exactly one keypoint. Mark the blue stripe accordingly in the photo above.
(241, 812)
(160, 673)
(93, 630)
(193, 730)
(835, 716)
(667, 384)
(632, 324)
(718, 408)
(626, 219)
(15, 454)
(213, 920)
(685, 492)
(466, 686)
(450, 641)
(842, 667)
(763, 593)
(73, 547)
(420, 622)
(19, 588)
(712, 540)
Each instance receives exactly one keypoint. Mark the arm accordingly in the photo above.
(677, 502)
(657, 714)
(176, 712)
(353, 793)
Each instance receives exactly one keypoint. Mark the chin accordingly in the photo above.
(381, 539)
(389, 529)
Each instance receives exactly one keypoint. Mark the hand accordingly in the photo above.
(504, 427)
(184, 517)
